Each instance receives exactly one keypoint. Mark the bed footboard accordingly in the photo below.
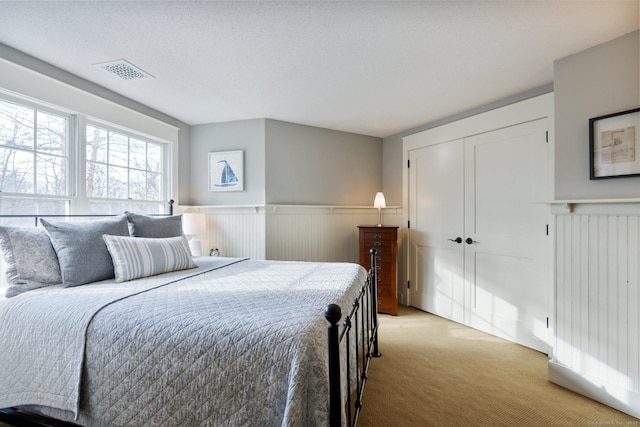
(361, 327)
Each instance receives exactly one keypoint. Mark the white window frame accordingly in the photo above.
(82, 163)
(77, 201)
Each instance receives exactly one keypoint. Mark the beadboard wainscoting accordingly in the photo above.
(237, 231)
(597, 319)
(288, 232)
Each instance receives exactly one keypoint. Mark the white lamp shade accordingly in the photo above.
(379, 201)
(193, 223)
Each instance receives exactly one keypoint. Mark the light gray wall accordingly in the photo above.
(246, 135)
(601, 80)
(393, 168)
(184, 164)
(316, 166)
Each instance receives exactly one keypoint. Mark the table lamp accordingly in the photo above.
(192, 225)
(379, 203)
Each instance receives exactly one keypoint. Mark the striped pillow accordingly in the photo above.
(135, 257)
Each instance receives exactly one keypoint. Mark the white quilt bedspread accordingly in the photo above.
(243, 344)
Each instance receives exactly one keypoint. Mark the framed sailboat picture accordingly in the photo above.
(226, 171)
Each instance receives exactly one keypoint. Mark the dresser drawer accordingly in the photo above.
(383, 248)
(385, 265)
(387, 305)
(385, 278)
(386, 291)
(379, 235)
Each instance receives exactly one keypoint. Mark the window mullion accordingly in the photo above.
(129, 168)
(78, 165)
(34, 151)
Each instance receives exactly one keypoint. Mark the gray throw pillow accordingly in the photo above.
(82, 254)
(154, 226)
(30, 261)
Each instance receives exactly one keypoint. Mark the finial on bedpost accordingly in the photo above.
(333, 313)
(171, 202)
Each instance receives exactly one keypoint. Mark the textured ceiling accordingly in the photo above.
(375, 68)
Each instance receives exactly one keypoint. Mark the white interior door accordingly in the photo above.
(489, 189)
(436, 208)
(506, 274)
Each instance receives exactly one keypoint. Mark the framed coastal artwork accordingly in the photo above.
(614, 141)
(226, 171)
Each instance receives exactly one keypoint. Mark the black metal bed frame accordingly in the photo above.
(360, 325)
(363, 318)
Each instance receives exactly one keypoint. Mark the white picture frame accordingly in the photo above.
(226, 171)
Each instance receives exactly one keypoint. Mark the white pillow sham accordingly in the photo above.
(135, 257)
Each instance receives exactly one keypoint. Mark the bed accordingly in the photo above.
(179, 341)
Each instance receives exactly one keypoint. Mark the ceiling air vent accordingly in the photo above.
(123, 69)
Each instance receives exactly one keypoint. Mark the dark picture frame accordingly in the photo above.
(614, 144)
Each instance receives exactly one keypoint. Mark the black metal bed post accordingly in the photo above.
(171, 202)
(333, 313)
(374, 303)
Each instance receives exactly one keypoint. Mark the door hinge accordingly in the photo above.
(547, 136)
(408, 224)
(547, 229)
(408, 284)
(547, 323)
(408, 163)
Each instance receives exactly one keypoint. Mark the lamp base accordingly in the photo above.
(195, 246)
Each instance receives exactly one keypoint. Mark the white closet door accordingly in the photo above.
(436, 271)
(506, 275)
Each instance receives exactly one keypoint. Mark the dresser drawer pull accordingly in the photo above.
(378, 258)
(379, 302)
(377, 244)
(378, 267)
(379, 291)
(377, 236)
(379, 279)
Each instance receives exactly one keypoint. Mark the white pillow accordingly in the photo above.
(135, 257)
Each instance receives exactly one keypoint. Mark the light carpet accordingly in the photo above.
(434, 372)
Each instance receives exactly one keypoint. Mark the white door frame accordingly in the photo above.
(539, 107)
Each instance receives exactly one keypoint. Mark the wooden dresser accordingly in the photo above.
(384, 239)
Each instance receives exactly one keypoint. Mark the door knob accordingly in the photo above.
(457, 240)
(470, 241)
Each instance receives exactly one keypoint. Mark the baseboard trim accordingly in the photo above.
(626, 401)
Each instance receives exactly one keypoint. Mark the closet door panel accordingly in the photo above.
(506, 259)
(436, 211)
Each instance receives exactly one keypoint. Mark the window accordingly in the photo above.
(123, 167)
(33, 151)
(39, 174)
(34, 156)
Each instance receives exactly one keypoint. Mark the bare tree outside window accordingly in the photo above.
(123, 167)
(33, 151)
